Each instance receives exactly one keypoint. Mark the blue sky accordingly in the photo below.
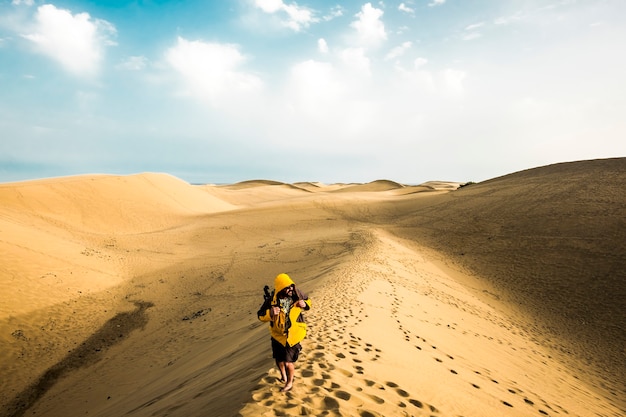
(343, 91)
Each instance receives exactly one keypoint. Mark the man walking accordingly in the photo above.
(287, 326)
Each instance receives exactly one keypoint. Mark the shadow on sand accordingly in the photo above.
(112, 332)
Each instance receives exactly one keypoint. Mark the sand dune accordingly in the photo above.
(551, 240)
(137, 296)
(380, 185)
(48, 222)
(108, 203)
(253, 183)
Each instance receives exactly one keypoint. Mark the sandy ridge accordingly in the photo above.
(372, 321)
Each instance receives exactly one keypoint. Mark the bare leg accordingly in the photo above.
(290, 373)
(281, 368)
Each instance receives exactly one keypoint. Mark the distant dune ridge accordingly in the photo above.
(136, 295)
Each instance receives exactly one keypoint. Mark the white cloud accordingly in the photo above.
(335, 12)
(471, 36)
(416, 79)
(75, 41)
(329, 107)
(436, 3)
(420, 62)
(406, 9)
(506, 20)
(356, 61)
(313, 89)
(269, 6)
(475, 26)
(402, 29)
(322, 46)
(133, 63)
(370, 29)
(398, 51)
(471, 31)
(24, 2)
(211, 70)
(453, 81)
(297, 17)
(444, 84)
(313, 77)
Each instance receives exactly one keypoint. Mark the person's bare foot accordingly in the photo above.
(287, 388)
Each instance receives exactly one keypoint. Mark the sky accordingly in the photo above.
(329, 91)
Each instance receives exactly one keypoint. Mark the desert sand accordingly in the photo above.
(137, 295)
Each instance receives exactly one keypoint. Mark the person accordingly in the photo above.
(283, 311)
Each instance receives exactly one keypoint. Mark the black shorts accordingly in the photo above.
(285, 353)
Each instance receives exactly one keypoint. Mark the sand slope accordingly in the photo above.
(551, 241)
(409, 340)
(48, 222)
(137, 296)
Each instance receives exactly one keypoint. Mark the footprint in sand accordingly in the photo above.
(318, 382)
(377, 399)
(366, 413)
(327, 388)
(261, 396)
(402, 393)
(343, 395)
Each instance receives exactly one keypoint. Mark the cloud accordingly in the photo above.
(416, 80)
(436, 3)
(75, 41)
(475, 26)
(313, 89)
(328, 107)
(211, 70)
(336, 11)
(406, 9)
(322, 46)
(402, 30)
(24, 2)
(133, 63)
(370, 29)
(505, 20)
(295, 17)
(398, 51)
(444, 84)
(453, 81)
(419, 62)
(355, 60)
(269, 6)
(471, 36)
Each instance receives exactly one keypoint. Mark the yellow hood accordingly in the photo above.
(281, 282)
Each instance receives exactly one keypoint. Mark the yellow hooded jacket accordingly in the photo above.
(279, 328)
